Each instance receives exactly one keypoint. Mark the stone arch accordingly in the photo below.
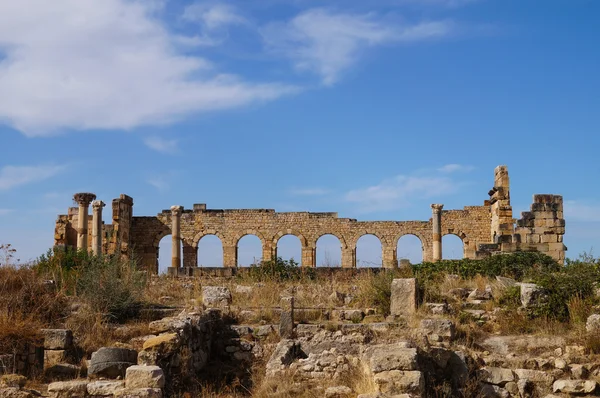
(159, 236)
(340, 237)
(421, 239)
(247, 232)
(203, 233)
(382, 238)
(462, 238)
(382, 244)
(297, 234)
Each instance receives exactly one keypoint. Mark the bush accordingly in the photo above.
(376, 289)
(279, 270)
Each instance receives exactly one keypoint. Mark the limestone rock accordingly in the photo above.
(531, 295)
(139, 393)
(57, 339)
(144, 377)
(399, 382)
(284, 354)
(68, 389)
(162, 343)
(338, 392)
(403, 299)
(438, 308)
(390, 357)
(538, 377)
(216, 297)
(14, 392)
(104, 387)
(496, 376)
(441, 327)
(592, 324)
(574, 386)
(111, 362)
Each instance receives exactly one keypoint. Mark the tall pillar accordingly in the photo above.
(97, 206)
(437, 231)
(230, 256)
(176, 236)
(309, 257)
(389, 257)
(269, 251)
(83, 200)
(349, 257)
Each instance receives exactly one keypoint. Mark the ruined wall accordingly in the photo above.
(484, 230)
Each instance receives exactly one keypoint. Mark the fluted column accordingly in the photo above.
(176, 236)
(97, 206)
(437, 231)
(83, 200)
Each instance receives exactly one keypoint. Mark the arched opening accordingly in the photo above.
(210, 251)
(289, 247)
(165, 253)
(452, 247)
(369, 251)
(329, 251)
(410, 247)
(249, 250)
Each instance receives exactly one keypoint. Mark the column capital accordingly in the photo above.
(84, 198)
(176, 210)
(98, 205)
(437, 207)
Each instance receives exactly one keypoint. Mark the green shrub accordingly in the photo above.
(279, 270)
(376, 289)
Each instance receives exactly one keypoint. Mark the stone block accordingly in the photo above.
(574, 386)
(111, 362)
(144, 377)
(496, 376)
(68, 389)
(592, 325)
(57, 339)
(216, 297)
(400, 382)
(385, 357)
(403, 297)
(104, 388)
(531, 295)
(52, 357)
(444, 328)
(286, 322)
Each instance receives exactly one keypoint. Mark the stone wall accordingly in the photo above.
(484, 230)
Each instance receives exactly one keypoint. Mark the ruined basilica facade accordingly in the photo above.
(484, 230)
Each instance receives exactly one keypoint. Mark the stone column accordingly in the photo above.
(286, 321)
(176, 212)
(83, 200)
(309, 257)
(437, 231)
(349, 257)
(230, 256)
(97, 206)
(190, 255)
(389, 259)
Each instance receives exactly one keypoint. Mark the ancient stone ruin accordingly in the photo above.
(484, 230)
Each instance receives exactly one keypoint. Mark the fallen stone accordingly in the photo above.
(442, 327)
(68, 389)
(496, 376)
(437, 308)
(111, 362)
(387, 357)
(216, 297)
(538, 377)
(144, 377)
(531, 295)
(400, 382)
(574, 386)
(403, 299)
(592, 325)
(104, 387)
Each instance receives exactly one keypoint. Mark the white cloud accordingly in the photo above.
(14, 176)
(213, 16)
(327, 43)
(453, 168)
(308, 191)
(397, 192)
(110, 64)
(582, 210)
(162, 145)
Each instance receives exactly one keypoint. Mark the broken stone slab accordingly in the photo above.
(386, 357)
(216, 297)
(103, 388)
(531, 295)
(286, 352)
(111, 362)
(506, 344)
(144, 377)
(538, 377)
(403, 299)
(400, 382)
(496, 376)
(481, 294)
(574, 386)
(441, 327)
(57, 339)
(68, 389)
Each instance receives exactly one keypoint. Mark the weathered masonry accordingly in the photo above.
(484, 230)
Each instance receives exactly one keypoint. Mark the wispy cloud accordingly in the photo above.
(14, 176)
(327, 43)
(399, 191)
(162, 181)
(582, 210)
(122, 70)
(453, 168)
(308, 191)
(4, 212)
(213, 15)
(168, 146)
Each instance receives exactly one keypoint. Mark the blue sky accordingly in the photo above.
(349, 106)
